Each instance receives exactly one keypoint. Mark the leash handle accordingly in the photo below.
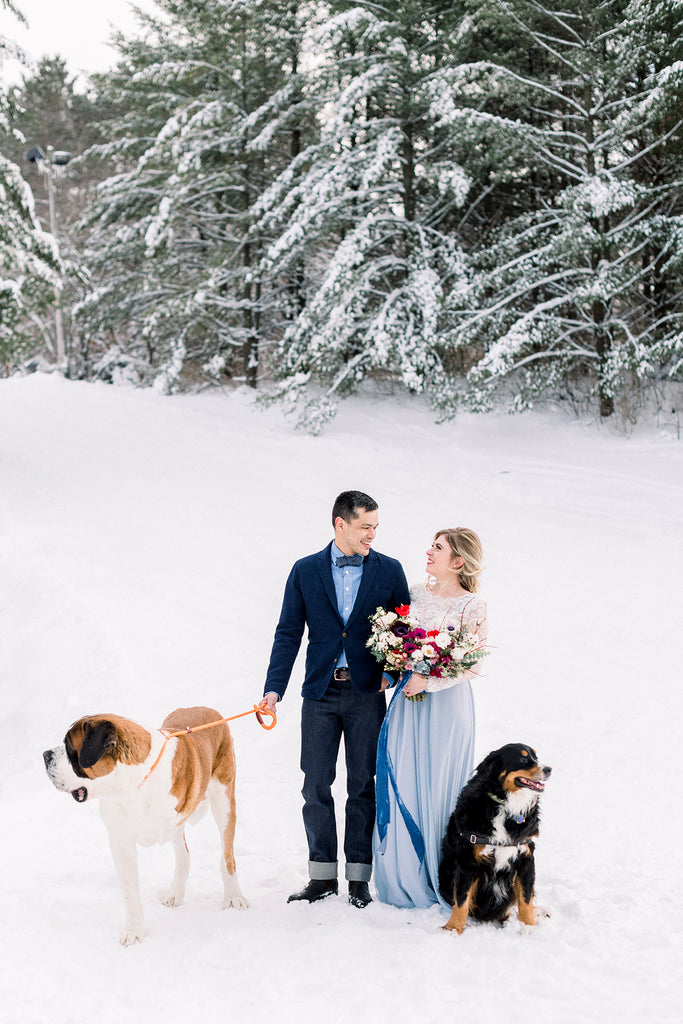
(263, 708)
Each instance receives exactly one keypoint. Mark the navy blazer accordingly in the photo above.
(310, 600)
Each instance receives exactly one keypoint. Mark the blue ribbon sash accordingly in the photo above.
(387, 776)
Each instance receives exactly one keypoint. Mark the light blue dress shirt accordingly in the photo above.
(346, 585)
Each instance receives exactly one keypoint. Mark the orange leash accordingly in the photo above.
(258, 710)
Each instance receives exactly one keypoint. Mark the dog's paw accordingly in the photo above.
(237, 902)
(540, 915)
(521, 928)
(132, 934)
(172, 898)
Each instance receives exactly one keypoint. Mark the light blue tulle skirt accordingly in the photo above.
(425, 756)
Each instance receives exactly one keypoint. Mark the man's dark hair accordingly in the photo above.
(347, 504)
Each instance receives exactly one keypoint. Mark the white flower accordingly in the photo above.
(427, 651)
(443, 640)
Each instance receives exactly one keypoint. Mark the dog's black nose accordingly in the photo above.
(547, 771)
(48, 758)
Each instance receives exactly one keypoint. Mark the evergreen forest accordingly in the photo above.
(481, 202)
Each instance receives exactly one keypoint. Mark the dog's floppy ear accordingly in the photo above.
(489, 762)
(97, 740)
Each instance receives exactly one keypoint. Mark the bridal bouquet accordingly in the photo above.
(398, 641)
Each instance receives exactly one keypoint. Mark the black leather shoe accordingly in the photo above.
(317, 889)
(359, 894)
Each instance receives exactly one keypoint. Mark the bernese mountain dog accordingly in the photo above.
(487, 855)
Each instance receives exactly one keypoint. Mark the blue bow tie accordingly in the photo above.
(348, 560)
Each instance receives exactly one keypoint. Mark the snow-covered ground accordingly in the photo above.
(144, 545)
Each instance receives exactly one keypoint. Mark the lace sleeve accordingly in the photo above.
(473, 615)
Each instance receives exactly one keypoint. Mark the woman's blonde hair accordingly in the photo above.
(465, 544)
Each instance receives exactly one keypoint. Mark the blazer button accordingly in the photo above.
(344, 635)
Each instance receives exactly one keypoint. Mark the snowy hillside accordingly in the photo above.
(144, 545)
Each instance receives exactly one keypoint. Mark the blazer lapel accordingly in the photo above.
(325, 569)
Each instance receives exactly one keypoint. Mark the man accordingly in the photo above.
(333, 593)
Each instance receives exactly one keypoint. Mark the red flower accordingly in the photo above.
(432, 632)
(403, 609)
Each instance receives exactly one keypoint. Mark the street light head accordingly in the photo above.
(35, 155)
(58, 157)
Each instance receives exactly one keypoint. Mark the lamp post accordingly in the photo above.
(54, 158)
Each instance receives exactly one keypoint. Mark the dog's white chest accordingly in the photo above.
(144, 821)
(517, 804)
(145, 811)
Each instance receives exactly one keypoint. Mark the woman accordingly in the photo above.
(426, 749)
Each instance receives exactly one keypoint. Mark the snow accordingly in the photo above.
(144, 545)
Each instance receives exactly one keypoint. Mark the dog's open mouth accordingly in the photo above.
(534, 784)
(80, 795)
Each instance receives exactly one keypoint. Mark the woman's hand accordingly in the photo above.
(416, 684)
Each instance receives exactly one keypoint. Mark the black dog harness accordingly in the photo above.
(476, 840)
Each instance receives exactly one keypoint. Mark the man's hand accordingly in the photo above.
(270, 700)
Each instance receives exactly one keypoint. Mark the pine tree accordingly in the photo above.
(46, 113)
(563, 292)
(47, 110)
(656, 357)
(209, 102)
(28, 256)
(372, 206)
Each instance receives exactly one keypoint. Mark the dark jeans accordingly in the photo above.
(342, 711)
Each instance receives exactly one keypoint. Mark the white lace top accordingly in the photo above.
(434, 612)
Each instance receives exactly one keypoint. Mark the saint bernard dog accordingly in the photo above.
(149, 786)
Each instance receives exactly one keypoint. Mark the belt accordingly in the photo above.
(342, 675)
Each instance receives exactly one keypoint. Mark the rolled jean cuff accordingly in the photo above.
(320, 871)
(358, 872)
